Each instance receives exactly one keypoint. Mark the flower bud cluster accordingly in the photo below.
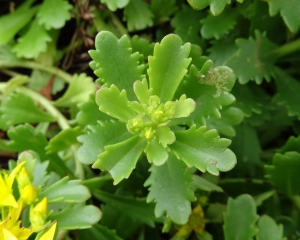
(155, 114)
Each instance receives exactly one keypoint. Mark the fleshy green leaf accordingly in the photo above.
(284, 172)
(254, 59)
(167, 66)
(115, 62)
(77, 216)
(63, 140)
(205, 185)
(115, 103)
(287, 92)
(33, 42)
(204, 149)
(78, 91)
(240, 218)
(135, 208)
(19, 108)
(7, 57)
(170, 189)
(165, 136)
(138, 15)
(216, 26)
(142, 45)
(89, 113)
(216, 6)
(114, 4)
(184, 107)
(268, 229)
(156, 153)
(141, 91)
(120, 159)
(97, 137)
(210, 87)
(162, 9)
(231, 116)
(188, 27)
(12, 23)
(289, 12)
(66, 190)
(13, 84)
(292, 145)
(54, 14)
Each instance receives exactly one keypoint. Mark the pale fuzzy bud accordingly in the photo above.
(38, 214)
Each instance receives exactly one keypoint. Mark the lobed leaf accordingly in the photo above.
(204, 149)
(284, 173)
(135, 208)
(66, 190)
(254, 60)
(289, 11)
(217, 26)
(19, 108)
(120, 159)
(138, 15)
(33, 42)
(240, 218)
(54, 14)
(114, 62)
(78, 91)
(170, 189)
(167, 66)
(97, 137)
(12, 23)
(268, 229)
(64, 140)
(77, 216)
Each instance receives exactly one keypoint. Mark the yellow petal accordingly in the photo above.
(7, 235)
(13, 173)
(49, 235)
(9, 200)
(28, 193)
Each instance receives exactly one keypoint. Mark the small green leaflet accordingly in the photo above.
(97, 137)
(64, 140)
(120, 159)
(12, 23)
(287, 92)
(170, 188)
(284, 172)
(77, 216)
(135, 208)
(66, 190)
(54, 14)
(114, 4)
(138, 15)
(254, 60)
(240, 218)
(19, 108)
(289, 12)
(115, 63)
(217, 26)
(268, 229)
(216, 6)
(33, 42)
(204, 149)
(78, 91)
(167, 66)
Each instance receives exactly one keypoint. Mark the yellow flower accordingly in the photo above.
(28, 193)
(49, 235)
(38, 214)
(10, 226)
(23, 178)
(6, 182)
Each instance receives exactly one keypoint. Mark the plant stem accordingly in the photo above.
(242, 180)
(50, 69)
(288, 48)
(61, 120)
(296, 200)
